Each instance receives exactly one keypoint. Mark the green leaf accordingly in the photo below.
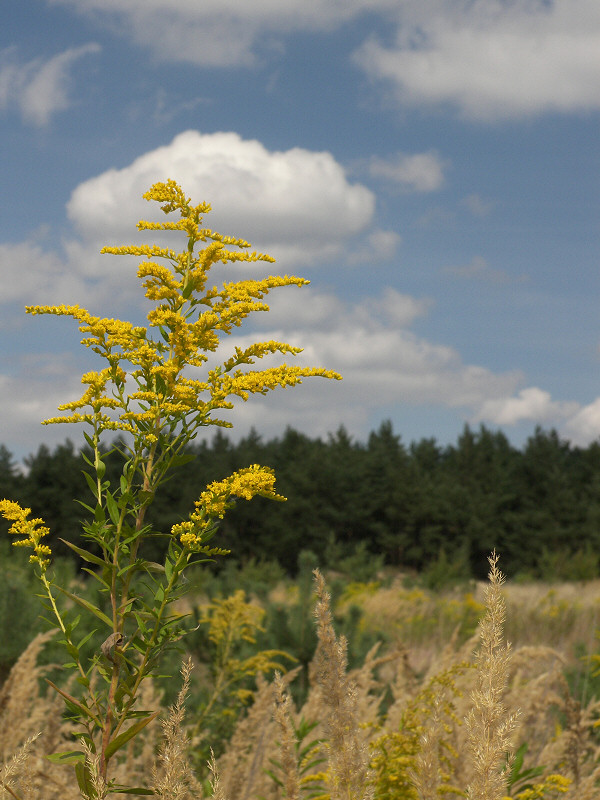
(99, 514)
(72, 650)
(100, 468)
(66, 757)
(145, 497)
(85, 505)
(85, 554)
(153, 566)
(70, 627)
(130, 790)
(72, 701)
(92, 483)
(84, 779)
(113, 508)
(125, 499)
(97, 577)
(86, 639)
(178, 461)
(124, 737)
(86, 604)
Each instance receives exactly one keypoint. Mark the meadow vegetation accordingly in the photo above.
(422, 698)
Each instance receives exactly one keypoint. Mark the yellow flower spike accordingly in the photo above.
(189, 321)
(244, 484)
(32, 529)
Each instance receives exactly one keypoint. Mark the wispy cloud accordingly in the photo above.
(479, 269)
(418, 172)
(221, 33)
(38, 88)
(477, 205)
(491, 59)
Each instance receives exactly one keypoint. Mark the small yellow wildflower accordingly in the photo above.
(32, 529)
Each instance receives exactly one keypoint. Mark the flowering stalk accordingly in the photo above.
(151, 391)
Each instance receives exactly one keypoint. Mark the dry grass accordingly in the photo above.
(489, 725)
(397, 728)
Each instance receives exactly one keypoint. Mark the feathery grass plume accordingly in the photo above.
(347, 753)
(287, 741)
(98, 788)
(172, 776)
(22, 710)
(217, 792)
(433, 770)
(16, 766)
(253, 742)
(490, 727)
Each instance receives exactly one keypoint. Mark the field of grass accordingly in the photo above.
(424, 698)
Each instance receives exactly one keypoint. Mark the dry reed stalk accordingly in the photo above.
(172, 776)
(22, 710)
(215, 783)
(99, 788)
(287, 740)
(490, 727)
(347, 754)
(253, 742)
(16, 767)
(426, 776)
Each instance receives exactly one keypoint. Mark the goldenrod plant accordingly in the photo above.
(156, 391)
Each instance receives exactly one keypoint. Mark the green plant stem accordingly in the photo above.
(67, 636)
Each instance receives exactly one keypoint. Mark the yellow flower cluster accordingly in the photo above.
(32, 529)
(190, 320)
(219, 496)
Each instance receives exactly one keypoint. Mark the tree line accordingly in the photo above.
(410, 506)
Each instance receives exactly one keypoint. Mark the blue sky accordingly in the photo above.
(432, 166)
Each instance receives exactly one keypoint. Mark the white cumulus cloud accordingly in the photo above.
(532, 404)
(296, 204)
(583, 426)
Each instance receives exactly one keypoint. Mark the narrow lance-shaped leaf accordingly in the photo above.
(124, 737)
(87, 712)
(89, 606)
(85, 554)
